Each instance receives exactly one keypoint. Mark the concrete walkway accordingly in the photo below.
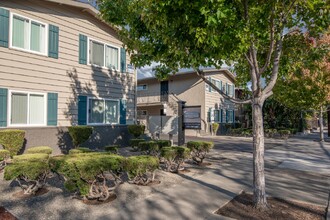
(296, 169)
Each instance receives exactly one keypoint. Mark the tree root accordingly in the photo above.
(31, 187)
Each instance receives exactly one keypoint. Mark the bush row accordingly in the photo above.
(268, 132)
(94, 175)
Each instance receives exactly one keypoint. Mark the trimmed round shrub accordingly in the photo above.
(174, 157)
(4, 156)
(199, 149)
(30, 170)
(112, 149)
(31, 157)
(89, 174)
(40, 149)
(284, 133)
(80, 134)
(141, 169)
(136, 130)
(163, 143)
(12, 140)
(134, 143)
(149, 147)
(215, 127)
(270, 132)
(80, 150)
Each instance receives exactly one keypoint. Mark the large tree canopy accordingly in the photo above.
(252, 34)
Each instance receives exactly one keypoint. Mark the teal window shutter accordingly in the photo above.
(53, 41)
(3, 107)
(4, 27)
(221, 115)
(227, 116)
(233, 112)
(123, 60)
(210, 87)
(221, 86)
(123, 107)
(82, 110)
(52, 100)
(82, 49)
(227, 89)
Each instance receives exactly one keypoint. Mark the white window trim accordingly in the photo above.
(29, 35)
(142, 88)
(10, 92)
(104, 99)
(104, 46)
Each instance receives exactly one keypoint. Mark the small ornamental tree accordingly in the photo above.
(12, 140)
(39, 150)
(141, 169)
(215, 127)
(252, 34)
(134, 143)
(80, 134)
(4, 156)
(30, 171)
(163, 143)
(174, 157)
(199, 149)
(94, 175)
(136, 130)
(149, 147)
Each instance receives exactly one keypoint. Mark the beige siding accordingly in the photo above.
(26, 71)
(213, 99)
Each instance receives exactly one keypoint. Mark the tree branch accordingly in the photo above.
(236, 101)
(276, 64)
(271, 46)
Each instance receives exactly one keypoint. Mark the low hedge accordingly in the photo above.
(80, 150)
(284, 133)
(163, 143)
(112, 149)
(30, 170)
(40, 149)
(85, 173)
(199, 149)
(141, 169)
(134, 143)
(149, 147)
(136, 130)
(12, 140)
(80, 134)
(174, 157)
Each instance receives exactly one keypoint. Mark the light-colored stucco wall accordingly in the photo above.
(24, 71)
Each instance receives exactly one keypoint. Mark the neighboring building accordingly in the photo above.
(60, 65)
(160, 98)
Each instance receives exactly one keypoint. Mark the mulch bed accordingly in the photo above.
(97, 202)
(5, 215)
(21, 195)
(241, 207)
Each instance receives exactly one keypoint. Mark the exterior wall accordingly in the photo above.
(60, 141)
(25, 71)
(65, 75)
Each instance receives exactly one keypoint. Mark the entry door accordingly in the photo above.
(164, 91)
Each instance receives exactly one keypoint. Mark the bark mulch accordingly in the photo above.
(5, 215)
(241, 207)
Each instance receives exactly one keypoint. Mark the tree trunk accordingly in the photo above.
(321, 125)
(259, 187)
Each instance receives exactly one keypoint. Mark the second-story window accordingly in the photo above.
(141, 87)
(103, 55)
(28, 34)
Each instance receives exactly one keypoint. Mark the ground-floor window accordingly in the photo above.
(103, 111)
(27, 108)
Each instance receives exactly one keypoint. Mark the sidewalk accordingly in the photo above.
(197, 194)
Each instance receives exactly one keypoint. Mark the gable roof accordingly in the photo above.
(226, 71)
